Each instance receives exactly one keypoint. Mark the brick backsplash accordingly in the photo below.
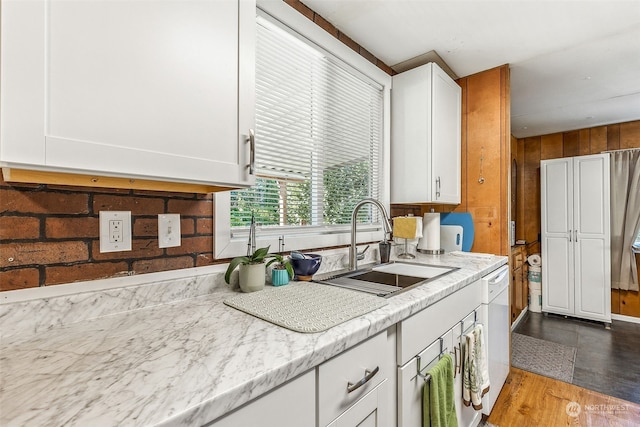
(50, 234)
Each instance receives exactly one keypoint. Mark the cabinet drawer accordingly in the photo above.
(416, 332)
(335, 375)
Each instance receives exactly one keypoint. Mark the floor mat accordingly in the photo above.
(543, 357)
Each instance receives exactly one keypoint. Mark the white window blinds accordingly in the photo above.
(318, 137)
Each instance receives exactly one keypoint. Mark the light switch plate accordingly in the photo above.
(168, 230)
(115, 231)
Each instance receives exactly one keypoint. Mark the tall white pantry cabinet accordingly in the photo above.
(576, 249)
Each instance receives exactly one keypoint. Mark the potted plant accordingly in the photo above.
(282, 272)
(252, 270)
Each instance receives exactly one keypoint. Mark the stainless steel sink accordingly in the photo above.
(389, 279)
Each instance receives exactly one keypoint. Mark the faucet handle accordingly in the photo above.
(360, 255)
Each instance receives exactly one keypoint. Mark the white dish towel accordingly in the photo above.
(475, 372)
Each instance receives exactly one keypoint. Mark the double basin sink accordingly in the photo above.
(386, 280)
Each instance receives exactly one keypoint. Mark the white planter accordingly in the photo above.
(252, 277)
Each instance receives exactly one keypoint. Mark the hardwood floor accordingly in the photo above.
(529, 399)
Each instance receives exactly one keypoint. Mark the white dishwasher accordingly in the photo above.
(495, 310)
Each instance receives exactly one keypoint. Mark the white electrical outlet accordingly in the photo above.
(115, 231)
(168, 230)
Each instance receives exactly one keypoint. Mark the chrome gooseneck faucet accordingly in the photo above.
(386, 223)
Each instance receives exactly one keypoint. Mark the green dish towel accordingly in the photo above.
(438, 408)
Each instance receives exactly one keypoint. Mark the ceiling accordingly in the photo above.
(574, 64)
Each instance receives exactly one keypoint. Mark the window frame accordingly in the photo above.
(298, 238)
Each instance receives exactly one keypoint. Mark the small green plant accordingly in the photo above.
(283, 264)
(258, 257)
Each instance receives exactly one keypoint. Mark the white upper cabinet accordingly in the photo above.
(162, 90)
(426, 108)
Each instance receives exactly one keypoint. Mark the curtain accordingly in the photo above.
(625, 217)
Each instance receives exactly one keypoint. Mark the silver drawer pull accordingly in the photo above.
(367, 376)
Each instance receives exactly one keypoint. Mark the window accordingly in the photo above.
(319, 142)
(318, 137)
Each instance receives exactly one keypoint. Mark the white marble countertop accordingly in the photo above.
(155, 355)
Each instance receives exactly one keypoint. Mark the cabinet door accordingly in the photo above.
(411, 166)
(129, 88)
(370, 411)
(467, 416)
(556, 177)
(425, 136)
(292, 405)
(525, 286)
(518, 288)
(410, 385)
(446, 113)
(591, 237)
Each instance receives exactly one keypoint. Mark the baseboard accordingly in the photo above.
(519, 318)
(624, 318)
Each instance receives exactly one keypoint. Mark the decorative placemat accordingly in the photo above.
(543, 357)
(306, 307)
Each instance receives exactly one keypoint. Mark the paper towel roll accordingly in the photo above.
(431, 232)
(535, 260)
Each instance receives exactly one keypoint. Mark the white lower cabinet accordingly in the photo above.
(370, 411)
(429, 333)
(410, 385)
(291, 405)
(351, 389)
(351, 386)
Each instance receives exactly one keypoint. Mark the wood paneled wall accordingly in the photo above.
(528, 152)
(486, 158)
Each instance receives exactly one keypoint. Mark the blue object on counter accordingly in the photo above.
(296, 255)
(279, 277)
(306, 267)
(463, 219)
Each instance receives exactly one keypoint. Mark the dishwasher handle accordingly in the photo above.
(499, 277)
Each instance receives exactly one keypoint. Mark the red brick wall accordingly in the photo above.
(49, 234)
